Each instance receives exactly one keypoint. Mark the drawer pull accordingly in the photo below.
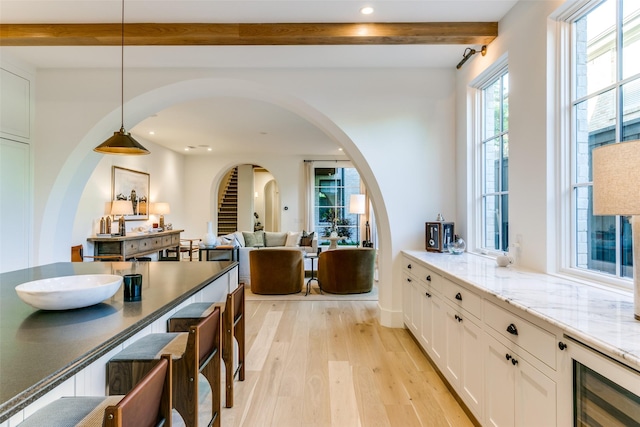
(562, 345)
(512, 329)
(409, 266)
(428, 294)
(408, 280)
(459, 296)
(514, 362)
(458, 318)
(508, 356)
(428, 278)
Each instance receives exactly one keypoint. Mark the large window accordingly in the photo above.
(494, 167)
(605, 110)
(333, 190)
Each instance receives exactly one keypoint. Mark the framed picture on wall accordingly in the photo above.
(127, 184)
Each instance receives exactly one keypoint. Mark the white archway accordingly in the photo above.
(67, 188)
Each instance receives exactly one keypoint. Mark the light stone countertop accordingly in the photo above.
(600, 318)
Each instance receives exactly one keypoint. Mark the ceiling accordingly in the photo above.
(216, 122)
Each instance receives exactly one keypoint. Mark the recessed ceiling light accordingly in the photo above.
(151, 132)
(367, 10)
(186, 149)
(340, 149)
(209, 149)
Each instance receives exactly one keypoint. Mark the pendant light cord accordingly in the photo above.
(122, 71)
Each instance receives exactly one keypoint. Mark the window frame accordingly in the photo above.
(488, 77)
(568, 159)
(342, 193)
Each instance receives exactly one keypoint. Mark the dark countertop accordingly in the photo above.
(41, 349)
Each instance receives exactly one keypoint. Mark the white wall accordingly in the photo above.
(524, 38)
(166, 176)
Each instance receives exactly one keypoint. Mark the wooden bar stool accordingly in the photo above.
(196, 351)
(148, 404)
(232, 326)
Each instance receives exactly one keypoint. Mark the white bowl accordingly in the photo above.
(68, 292)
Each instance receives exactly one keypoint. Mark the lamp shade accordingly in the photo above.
(616, 179)
(356, 203)
(161, 208)
(121, 143)
(121, 207)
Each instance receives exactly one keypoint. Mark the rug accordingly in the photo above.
(315, 295)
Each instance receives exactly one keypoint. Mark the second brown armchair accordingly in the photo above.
(347, 271)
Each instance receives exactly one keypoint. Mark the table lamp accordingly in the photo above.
(162, 209)
(122, 208)
(356, 206)
(616, 191)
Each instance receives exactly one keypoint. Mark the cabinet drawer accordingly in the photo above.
(535, 340)
(146, 245)
(462, 297)
(175, 239)
(413, 268)
(167, 241)
(131, 247)
(156, 242)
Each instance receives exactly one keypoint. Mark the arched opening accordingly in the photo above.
(54, 238)
(248, 200)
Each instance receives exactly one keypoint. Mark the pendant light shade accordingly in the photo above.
(121, 142)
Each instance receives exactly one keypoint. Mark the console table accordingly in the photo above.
(133, 245)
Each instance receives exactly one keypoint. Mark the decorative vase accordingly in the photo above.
(209, 239)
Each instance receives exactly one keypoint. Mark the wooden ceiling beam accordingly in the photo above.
(181, 34)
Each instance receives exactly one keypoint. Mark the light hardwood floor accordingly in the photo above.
(330, 364)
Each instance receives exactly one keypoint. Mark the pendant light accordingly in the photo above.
(121, 142)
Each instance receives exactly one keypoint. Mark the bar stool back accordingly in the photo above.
(232, 326)
(193, 352)
(148, 404)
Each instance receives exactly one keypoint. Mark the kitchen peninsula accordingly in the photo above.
(63, 353)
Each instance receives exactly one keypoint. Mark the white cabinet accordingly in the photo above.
(411, 304)
(503, 363)
(463, 357)
(517, 394)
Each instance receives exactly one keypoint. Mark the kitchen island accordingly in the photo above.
(51, 353)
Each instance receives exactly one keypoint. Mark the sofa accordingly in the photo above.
(255, 240)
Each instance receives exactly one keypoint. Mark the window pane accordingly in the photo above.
(505, 163)
(630, 38)
(596, 49)
(491, 158)
(504, 223)
(505, 103)
(491, 215)
(595, 126)
(626, 247)
(492, 114)
(631, 111)
(595, 235)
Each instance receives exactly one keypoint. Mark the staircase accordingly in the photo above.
(228, 206)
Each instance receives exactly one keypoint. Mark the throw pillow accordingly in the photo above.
(253, 239)
(293, 238)
(272, 238)
(308, 239)
(249, 239)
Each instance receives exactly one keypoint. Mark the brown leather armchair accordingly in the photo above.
(276, 271)
(347, 271)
